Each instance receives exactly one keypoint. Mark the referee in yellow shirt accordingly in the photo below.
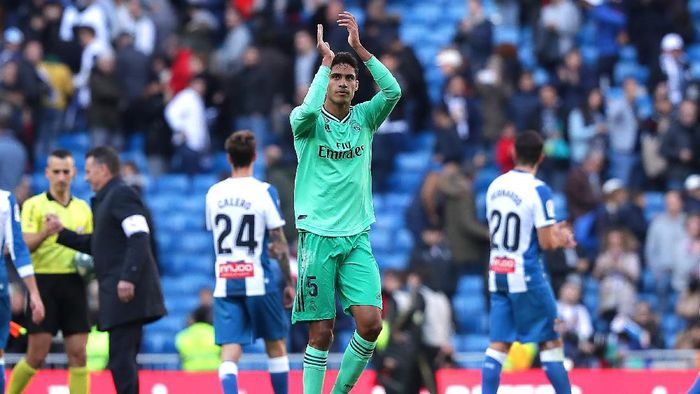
(60, 286)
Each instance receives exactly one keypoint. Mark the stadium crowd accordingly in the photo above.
(610, 84)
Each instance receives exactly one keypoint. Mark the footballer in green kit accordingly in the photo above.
(333, 207)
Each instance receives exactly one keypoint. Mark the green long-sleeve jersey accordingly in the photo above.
(333, 186)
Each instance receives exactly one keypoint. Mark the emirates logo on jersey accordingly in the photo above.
(236, 270)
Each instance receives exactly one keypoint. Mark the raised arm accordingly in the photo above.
(381, 105)
(303, 117)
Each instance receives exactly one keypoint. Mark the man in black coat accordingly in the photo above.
(129, 286)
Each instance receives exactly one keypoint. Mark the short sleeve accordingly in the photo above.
(544, 207)
(273, 213)
(207, 212)
(31, 217)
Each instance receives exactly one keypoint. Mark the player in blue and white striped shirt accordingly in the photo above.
(11, 237)
(521, 219)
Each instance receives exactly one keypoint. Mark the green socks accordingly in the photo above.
(314, 370)
(22, 374)
(78, 380)
(355, 359)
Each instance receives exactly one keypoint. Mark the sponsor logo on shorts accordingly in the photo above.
(503, 265)
(236, 270)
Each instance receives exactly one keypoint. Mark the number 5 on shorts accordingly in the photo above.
(313, 287)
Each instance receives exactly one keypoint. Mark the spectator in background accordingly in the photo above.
(549, 122)
(609, 20)
(93, 48)
(666, 229)
(195, 344)
(653, 132)
(11, 92)
(474, 36)
(12, 39)
(505, 148)
(132, 71)
(649, 20)
(467, 238)
(672, 68)
(431, 252)
(692, 194)
(559, 23)
(103, 114)
(185, 115)
(133, 19)
(464, 113)
(33, 83)
(380, 28)
(679, 145)
(280, 174)
(85, 13)
(133, 177)
(576, 328)
(639, 331)
(689, 302)
(617, 211)
(572, 80)
(623, 128)
(583, 185)
(618, 268)
(493, 90)
(305, 62)
(448, 144)
(587, 127)
(687, 256)
(524, 102)
(13, 156)
(227, 59)
(59, 79)
(690, 337)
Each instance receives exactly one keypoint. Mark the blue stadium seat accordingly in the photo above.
(178, 221)
(648, 281)
(670, 326)
(475, 343)
(503, 35)
(381, 239)
(470, 313)
(171, 323)
(181, 304)
(589, 54)
(391, 219)
(163, 202)
(39, 183)
(198, 242)
(190, 284)
(201, 183)
(425, 12)
(194, 204)
(184, 264)
(397, 202)
(159, 342)
(412, 33)
(470, 285)
(416, 162)
(484, 177)
(164, 241)
(138, 158)
(77, 143)
(174, 184)
(649, 298)
(540, 76)
(403, 240)
(624, 70)
(405, 182)
(590, 300)
(392, 261)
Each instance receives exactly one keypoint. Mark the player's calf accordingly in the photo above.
(552, 357)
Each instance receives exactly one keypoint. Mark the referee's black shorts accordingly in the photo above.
(65, 302)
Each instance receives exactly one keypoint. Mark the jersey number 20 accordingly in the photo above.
(247, 225)
(511, 242)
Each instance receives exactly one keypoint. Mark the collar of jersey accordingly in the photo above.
(51, 198)
(329, 115)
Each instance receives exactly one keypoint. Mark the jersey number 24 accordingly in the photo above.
(247, 225)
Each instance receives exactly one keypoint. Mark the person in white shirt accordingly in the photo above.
(186, 116)
(92, 49)
(133, 19)
(85, 12)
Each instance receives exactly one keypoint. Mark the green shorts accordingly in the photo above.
(330, 263)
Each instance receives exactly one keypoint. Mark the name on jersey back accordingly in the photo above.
(507, 193)
(233, 202)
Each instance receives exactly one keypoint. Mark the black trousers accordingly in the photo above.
(124, 345)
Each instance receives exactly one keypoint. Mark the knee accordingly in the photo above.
(321, 338)
(370, 330)
(76, 357)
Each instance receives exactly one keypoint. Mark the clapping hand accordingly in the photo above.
(347, 20)
(323, 48)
